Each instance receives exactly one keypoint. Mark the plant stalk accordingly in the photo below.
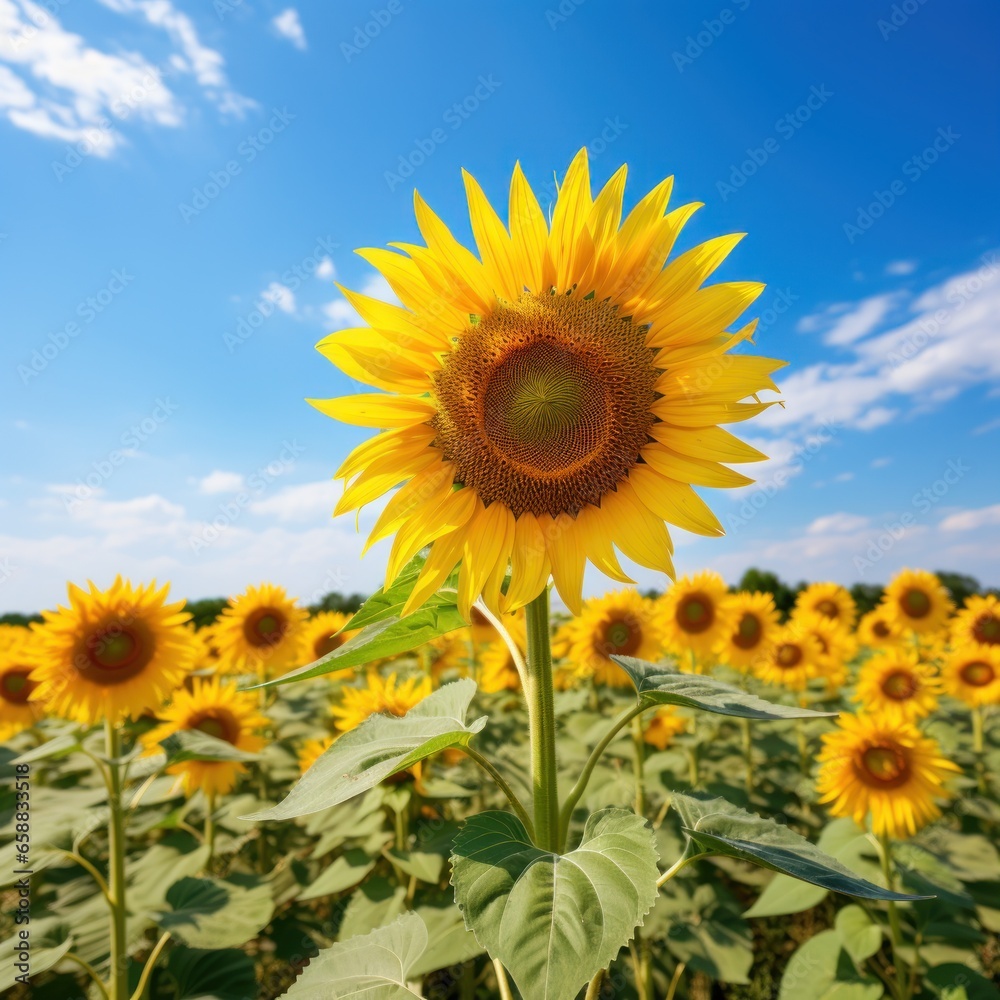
(748, 756)
(639, 745)
(116, 864)
(209, 828)
(542, 724)
(895, 927)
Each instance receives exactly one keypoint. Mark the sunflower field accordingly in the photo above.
(481, 784)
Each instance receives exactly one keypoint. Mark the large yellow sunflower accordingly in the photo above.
(978, 622)
(17, 711)
(754, 623)
(971, 673)
(260, 632)
(897, 685)
(322, 634)
(379, 696)
(112, 653)
(792, 660)
(621, 623)
(878, 629)
(214, 706)
(915, 599)
(555, 397)
(829, 600)
(696, 615)
(887, 769)
(837, 646)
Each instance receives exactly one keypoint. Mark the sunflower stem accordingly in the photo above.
(542, 724)
(116, 864)
(895, 927)
(209, 828)
(748, 756)
(979, 747)
(639, 745)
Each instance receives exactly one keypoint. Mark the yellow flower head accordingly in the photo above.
(971, 673)
(792, 661)
(665, 724)
(568, 381)
(379, 696)
(260, 632)
(878, 629)
(977, 622)
(17, 711)
(112, 653)
(916, 600)
(696, 616)
(216, 707)
(837, 646)
(322, 634)
(754, 623)
(870, 765)
(622, 623)
(897, 685)
(311, 751)
(829, 600)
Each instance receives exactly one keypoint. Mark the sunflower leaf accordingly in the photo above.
(380, 747)
(389, 602)
(215, 913)
(715, 827)
(554, 920)
(384, 638)
(192, 744)
(658, 685)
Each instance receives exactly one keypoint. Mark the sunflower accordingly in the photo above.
(17, 712)
(622, 623)
(978, 621)
(897, 685)
(260, 632)
(971, 673)
(311, 750)
(837, 646)
(878, 629)
(754, 621)
(916, 600)
(379, 696)
(214, 706)
(664, 726)
(792, 660)
(110, 654)
(322, 634)
(696, 616)
(207, 657)
(829, 600)
(870, 764)
(550, 399)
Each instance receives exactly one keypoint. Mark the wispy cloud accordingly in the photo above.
(288, 26)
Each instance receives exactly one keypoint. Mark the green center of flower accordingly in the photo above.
(987, 629)
(695, 613)
(15, 685)
(220, 726)
(326, 644)
(828, 608)
(788, 655)
(265, 627)
(900, 685)
(116, 650)
(748, 632)
(916, 603)
(885, 764)
(978, 673)
(622, 638)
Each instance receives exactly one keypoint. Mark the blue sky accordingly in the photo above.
(181, 184)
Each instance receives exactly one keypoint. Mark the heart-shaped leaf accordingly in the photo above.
(659, 685)
(554, 920)
(378, 748)
(215, 913)
(373, 966)
(717, 827)
(822, 969)
(223, 974)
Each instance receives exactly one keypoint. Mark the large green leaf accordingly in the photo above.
(378, 748)
(385, 638)
(223, 974)
(450, 942)
(345, 871)
(45, 943)
(861, 936)
(373, 966)
(215, 913)
(388, 603)
(659, 685)
(192, 744)
(554, 920)
(822, 970)
(717, 827)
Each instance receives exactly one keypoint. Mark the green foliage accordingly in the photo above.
(16, 618)
(867, 596)
(214, 913)
(344, 604)
(768, 582)
(204, 612)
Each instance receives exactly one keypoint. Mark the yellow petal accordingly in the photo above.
(427, 487)
(371, 357)
(495, 247)
(639, 533)
(567, 556)
(484, 540)
(376, 409)
(703, 313)
(597, 534)
(491, 588)
(570, 245)
(387, 443)
(705, 442)
(406, 326)
(529, 564)
(435, 519)
(674, 502)
(443, 558)
(528, 232)
(381, 476)
(685, 469)
(691, 269)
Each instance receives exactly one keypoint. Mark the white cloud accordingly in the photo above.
(219, 481)
(860, 320)
(899, 267)
(880, 463)
(970, 520)
(281, 295)
(326, 270)
(836, 524)
(843, 477)
(304, 502)
(287, 25)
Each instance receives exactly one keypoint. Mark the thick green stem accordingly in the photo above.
(639, 745)
(979, 747)
(895, 927)
(594, 989)
(501, 782)
(748, 756)
(116, 864)
(542, 724)
(209, 828)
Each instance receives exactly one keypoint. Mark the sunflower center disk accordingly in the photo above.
(15, 686)
(620, 639)
(916, 603)
(978, 674)
(885, 765)
(899, 685)
(748, 632)
(114, 654)
(987, 630)
(544, 404)
(327, 644)
(828, 608)
(789, 655)
(222, 728)
(694, 613)
(265, 627)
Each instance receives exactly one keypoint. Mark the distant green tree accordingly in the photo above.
(770, 583)
(959, 585)
(345, 604)
(867, 596)
(205, 611)
(16, 618)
